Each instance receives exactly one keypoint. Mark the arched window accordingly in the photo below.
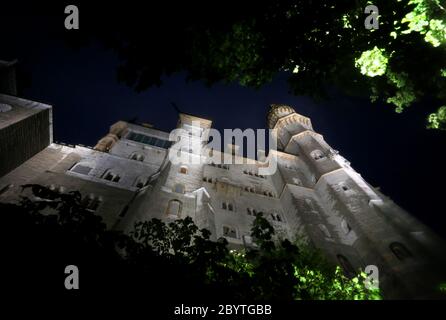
(111, 176)
(317, 155)
(227, 206)
(136, 156)
(346, 265)
(400, 250)
(183, 170)
(174, 208)
(179, 188)
(141, 182)
(229, 232)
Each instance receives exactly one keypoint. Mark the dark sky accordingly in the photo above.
(393, 151)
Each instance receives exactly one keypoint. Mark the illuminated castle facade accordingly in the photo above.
(314, 194)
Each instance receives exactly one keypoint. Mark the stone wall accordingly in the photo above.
(24, 131)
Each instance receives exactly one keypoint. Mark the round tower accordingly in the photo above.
(287, 122)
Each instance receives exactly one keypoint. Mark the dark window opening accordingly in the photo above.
(400, 251)
(161, 143)
(229, 232)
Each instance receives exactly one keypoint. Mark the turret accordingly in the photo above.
(288, 123)
(295, 135)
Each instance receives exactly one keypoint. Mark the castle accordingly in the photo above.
(313, 195)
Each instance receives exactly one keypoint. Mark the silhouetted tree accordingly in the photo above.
(319, 44)
(49, 230)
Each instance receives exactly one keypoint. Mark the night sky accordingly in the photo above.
(393, 151)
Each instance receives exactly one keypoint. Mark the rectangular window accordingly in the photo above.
(159, 143)
(139, 138)
(229, 232)
(149, 140)
(146, 140)
(167, 144)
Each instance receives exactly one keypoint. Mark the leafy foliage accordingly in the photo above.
(318, 45)
(437, 120)
(372, 62)
(442, 287)
(169, 258)
(421, 20)
(336, 287)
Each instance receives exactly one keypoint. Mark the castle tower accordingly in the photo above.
(350, 221)
(295, 135)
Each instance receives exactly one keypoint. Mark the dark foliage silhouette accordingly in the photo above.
(176, 261)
